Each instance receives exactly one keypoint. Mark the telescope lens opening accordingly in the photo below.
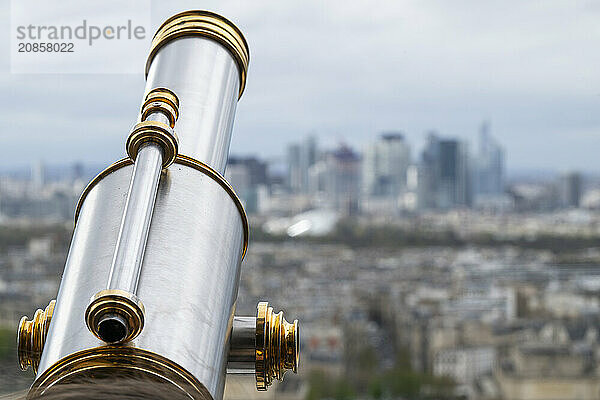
(112, 328)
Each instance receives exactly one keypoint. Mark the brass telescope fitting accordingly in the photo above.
(115, 316)
(270, 346)
(31, 336)
(165, 103)
(161, 100)
(208, 25)
(266, 345)
(155, 132)
(277, 348)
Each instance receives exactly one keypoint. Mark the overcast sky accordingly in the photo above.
(347, 70)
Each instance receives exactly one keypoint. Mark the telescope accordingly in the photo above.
(150, 283)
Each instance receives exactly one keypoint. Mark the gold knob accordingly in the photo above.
(277, 348)
(31, 337)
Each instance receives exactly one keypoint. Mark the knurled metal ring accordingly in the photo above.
(164, 94)
(262, 353)
(277, 346)
(155, 132)
(163, 108)
(31, 337)
(208, 25)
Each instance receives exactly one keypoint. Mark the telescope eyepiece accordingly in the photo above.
(115, 316)
(112, 328)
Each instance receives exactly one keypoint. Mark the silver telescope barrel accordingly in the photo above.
(151, 279)
(206, 78)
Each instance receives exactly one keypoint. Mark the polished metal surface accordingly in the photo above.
(205, 77)
(160, 236)
(189, 276)
(115, 363)
(158, 117)
(242, 346)
(182, 160)
(135, 225)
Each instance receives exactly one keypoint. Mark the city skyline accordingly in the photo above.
(277, 160)
(383, 178)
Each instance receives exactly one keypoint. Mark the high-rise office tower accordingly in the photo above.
(570, 189)
(489, 165)
(246, 175)
(339, 177)
(300, 157)
(445, 173)
(384, 166)
(38, 176)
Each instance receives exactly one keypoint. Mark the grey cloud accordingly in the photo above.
(347, 70)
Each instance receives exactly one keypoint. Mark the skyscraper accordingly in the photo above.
(294, 168)
(300, 157)
(245, 175)
(445, 174)
(38, 176)
(336, 179)
(489, 165)
(384, 166)
(257, 169)
(569, 189)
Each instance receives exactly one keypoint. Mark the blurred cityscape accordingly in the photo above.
(429, 275)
